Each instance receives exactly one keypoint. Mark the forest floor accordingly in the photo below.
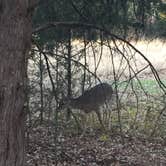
(93, 150)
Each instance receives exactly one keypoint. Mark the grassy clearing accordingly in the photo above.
(149, 85)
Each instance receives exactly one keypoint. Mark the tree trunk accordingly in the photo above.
(15, 39)
(69, 94)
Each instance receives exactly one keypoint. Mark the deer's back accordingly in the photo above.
(93, 98)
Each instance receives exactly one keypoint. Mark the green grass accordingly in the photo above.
(149, 85)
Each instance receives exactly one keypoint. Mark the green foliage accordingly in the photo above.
(117, 16)
(104, 138)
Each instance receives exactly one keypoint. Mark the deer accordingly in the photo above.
(91, 100)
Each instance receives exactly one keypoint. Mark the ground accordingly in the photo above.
(93, 150)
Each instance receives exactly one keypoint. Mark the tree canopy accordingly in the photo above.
(122, 17)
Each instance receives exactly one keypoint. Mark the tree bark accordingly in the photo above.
(69, 75)
(15, 40)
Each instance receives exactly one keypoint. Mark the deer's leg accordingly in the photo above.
(100, 119)
(77, 121)
(84, 122)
